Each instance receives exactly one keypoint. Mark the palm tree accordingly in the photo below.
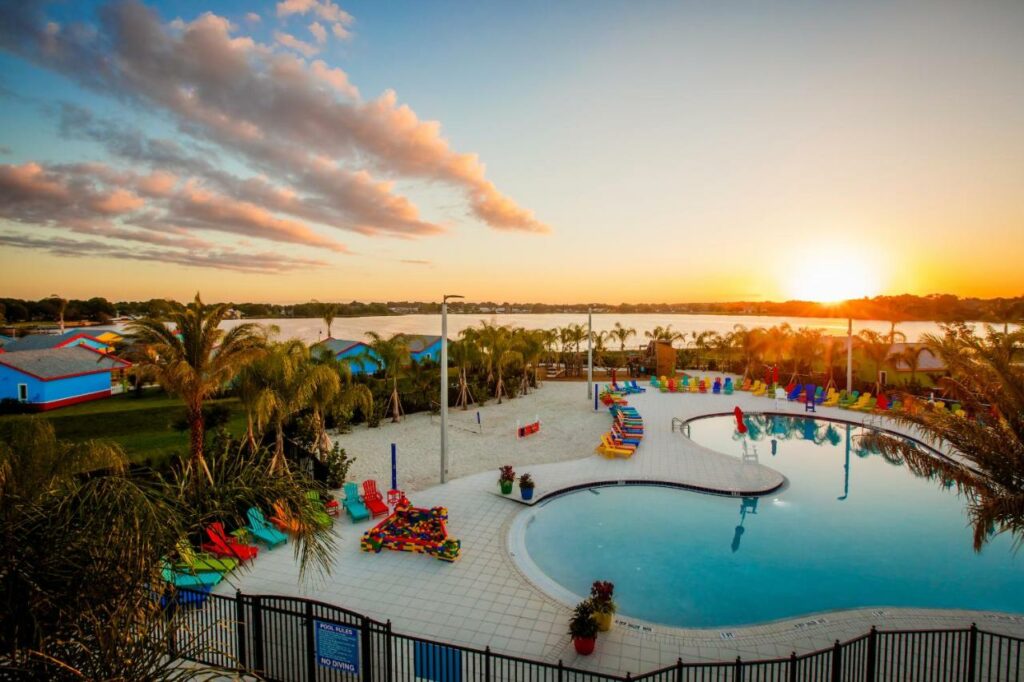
(62, 305)
(622, 335)
(1006, 310)
(806, 348)
(393, 353)
(324, 398)
(750, 343)
(497, 341)
(530, 345)
(666, 333)
(577, 335)
(196, 359)
(462, 354)
(911, 357)
(876, 347)
(702, 342)
(778, 340)
(328, 311)
(989, 448)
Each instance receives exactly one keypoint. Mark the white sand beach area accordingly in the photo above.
(570, 428)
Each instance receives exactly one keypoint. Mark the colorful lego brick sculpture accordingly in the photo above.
(413, 529)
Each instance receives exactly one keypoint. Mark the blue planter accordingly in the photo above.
(527, 493)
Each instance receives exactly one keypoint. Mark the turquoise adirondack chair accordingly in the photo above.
(263, 531)
(354, 506)
(187, 579)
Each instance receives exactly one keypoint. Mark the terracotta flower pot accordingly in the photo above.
(584, 646)
(506, 487)
(603, 620)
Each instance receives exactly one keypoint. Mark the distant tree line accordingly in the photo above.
(906, 307)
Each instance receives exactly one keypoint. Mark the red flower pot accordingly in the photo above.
(584, 647)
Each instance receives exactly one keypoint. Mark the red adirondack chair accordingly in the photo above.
(373, 499)
(223, 545)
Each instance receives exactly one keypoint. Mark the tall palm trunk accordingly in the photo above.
(197, 437)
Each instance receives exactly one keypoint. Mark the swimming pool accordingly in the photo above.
(849, 530)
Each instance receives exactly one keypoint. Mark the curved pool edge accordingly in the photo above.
(875, 615)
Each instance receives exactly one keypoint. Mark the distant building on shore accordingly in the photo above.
(101, 340)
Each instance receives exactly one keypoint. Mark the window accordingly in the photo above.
(22, 393)
(883, 377)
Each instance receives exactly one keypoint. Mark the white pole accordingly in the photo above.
(590, 353)
(849, 355)
(444, 386)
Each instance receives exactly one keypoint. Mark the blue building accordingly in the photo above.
(68, 339)
(56, 377)
(424, 347)
(360, 356)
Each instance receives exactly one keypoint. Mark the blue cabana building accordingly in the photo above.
(56, 377)
(360, 356)
(424, 347)
(68, 339)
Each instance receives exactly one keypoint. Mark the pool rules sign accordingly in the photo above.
(337, 647)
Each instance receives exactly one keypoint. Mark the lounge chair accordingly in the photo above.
(263, 531)
(635, 387)
(663, 384)
(849, 399)
(654, 382)
(194, 596)
(759, 388)
(746, 384)
(793, 391)
(353, 503)
(320, 516)
(609, 449)
(284, 519)
(191, 560)
(188, 578)
(881, 403)
(832, 399)
(716, 388)
(864, 402)
(373, 499)
(672, 386)
(222, 545)
(727, 386)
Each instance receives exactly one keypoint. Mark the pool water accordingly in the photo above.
(849, 530)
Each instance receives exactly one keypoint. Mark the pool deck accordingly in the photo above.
(485, 599)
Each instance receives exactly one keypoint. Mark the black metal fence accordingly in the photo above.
(300, 640)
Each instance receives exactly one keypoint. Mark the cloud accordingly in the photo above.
(253, 18)
(99, 200)
(414, 261)
(274, 109)
(264, 262)
(340, 32)
(319, 32)
(293, 43)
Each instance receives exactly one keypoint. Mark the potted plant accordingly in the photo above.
(506, 477)
(583, 628)
(526, 486)
(604, 607)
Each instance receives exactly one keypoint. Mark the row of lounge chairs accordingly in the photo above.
(690, 384)
(625, 435)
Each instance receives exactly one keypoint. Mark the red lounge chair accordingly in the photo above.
(373, 499)
(223, 545)
(882, 403)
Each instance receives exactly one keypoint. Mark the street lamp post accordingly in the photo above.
(590, 353)
(444, 386)
(849, 354)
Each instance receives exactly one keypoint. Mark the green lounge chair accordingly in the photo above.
(195, 561)
(319, 511)
(263, 531)
(354, 506)
(188, 579)
(850, 399)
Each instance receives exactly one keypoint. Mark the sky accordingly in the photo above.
(576, 151)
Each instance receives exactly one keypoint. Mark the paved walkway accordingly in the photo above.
(485, 600)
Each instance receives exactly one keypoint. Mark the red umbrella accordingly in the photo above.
(775, 374)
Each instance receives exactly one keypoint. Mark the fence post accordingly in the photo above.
(792, 666)
(487, 664)
(837, 662)
(310, 643)
(240, 629)
(388, 673)
(739, 670)
(679, 669)
(560, 671)
(972, 653)
(366, 654)
(257, 633)
(869, 668)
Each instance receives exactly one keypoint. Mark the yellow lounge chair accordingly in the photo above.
(833, 398)
(865, 402)
(609, 449)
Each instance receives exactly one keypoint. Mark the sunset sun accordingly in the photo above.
(828, 278)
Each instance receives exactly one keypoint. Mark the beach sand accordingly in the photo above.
(570, 429)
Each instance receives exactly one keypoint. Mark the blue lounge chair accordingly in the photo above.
(727, 386)
(716, 388)
(637, 389)
(354, 506)
(263, 531)
(795, 393)
(186, 596)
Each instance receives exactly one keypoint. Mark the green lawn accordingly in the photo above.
(141, 425)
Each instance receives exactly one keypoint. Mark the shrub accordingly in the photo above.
(338, 464)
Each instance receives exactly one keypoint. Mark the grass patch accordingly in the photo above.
(140, 425)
